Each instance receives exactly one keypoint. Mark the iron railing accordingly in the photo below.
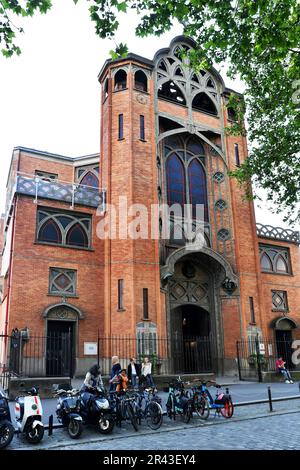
(54, 355)
(257, 356)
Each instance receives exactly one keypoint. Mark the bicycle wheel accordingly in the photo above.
(132, 417)
(187, 413)
(228, 409)
(153, 415)
(201, 406)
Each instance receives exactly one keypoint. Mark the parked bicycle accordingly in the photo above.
(178, 403)
(123, 407)
(203, 402)
(147, 406)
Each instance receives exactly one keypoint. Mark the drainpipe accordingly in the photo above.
(14, 202)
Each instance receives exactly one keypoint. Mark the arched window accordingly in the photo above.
(185, 173)
(265, 263)
(90, 179)
(50, 232)
(175, 180)
(77, 236)
(64, 228)
(281, 265)
(105, 89)
(120, 80)
(202, 102)
(171, 92)
(274, 259)
(140, 81)
(197, 187)
(88, 175)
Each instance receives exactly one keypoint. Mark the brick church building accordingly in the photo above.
(163, 141)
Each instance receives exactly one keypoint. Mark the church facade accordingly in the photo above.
(163, 142)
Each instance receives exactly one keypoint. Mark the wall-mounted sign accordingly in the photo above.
(90, 349)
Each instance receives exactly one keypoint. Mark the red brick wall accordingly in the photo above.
(30, 274)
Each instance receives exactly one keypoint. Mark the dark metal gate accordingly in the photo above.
(191, 354)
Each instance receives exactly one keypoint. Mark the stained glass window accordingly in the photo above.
(64, 229)
(175, 180)
(90, 179)
(77, 236)
(62, 281)
(185, 173)
(50, 232)
(197, 187)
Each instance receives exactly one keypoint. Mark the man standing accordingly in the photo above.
(133, 371)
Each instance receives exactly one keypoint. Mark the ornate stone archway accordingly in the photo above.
(203, 289)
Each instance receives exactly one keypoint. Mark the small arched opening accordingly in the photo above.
(171, 92)
(120, 80)
(140, 81)
(202, 102)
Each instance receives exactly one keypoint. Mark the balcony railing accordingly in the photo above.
(72, 193)
(278, 233)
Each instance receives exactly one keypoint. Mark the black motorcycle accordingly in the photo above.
(96, 410)
(68, 411)
(6, 428)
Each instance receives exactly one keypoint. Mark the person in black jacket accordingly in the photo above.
(133, 372)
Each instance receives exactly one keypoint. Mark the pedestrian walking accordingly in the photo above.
(114, 375)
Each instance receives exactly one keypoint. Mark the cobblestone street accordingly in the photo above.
(253, 434)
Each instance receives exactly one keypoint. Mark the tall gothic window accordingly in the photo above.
(175, 180)
(185, 173)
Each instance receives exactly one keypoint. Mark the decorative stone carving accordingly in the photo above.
(142, 99)
(229, 286)
(62, 313)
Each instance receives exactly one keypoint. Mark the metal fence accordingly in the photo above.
(257, 356)
(55, 355)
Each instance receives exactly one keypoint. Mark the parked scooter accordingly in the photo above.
(6, 428)
(97, 410)
(68, 411)
(28, 413)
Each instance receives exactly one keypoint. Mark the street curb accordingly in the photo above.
(159, 431)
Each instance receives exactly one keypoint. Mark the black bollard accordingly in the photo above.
(270, 399)
(50, 429)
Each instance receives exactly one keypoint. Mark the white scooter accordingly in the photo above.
(28, 413)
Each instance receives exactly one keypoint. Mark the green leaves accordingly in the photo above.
(8, 29)
(120, 51)
(258, 39)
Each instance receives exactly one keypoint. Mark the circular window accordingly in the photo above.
(219, 177)
(223, 234)
(221, 204)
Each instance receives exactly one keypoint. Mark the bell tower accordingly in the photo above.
(128, 173)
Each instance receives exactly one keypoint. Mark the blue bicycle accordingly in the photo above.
(178, 403)
(203, 402)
